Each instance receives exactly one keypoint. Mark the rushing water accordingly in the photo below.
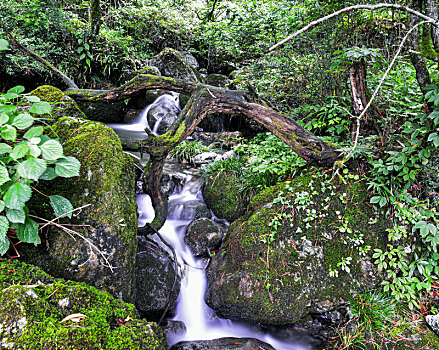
(200, 320)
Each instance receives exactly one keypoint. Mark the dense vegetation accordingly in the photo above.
(393, 147)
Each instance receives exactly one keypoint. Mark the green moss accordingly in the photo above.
(426, 44)
(31, 314)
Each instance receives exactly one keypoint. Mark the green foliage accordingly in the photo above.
(27, 156)
(187, 150)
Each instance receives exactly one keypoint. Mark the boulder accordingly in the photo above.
(107, 226)
(297, 252)
(163, 112)
(52, 313)
(172, 63)
(223, 343)
(223, 196)
(219, 80)
(155, 275)
(190, 59)
(204, 158)
(203, 236)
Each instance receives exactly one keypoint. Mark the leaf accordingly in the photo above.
(4, 242)
(3, 45)
(22, 121)
(32, 168)
(383, 202)
(33, 132)
(27, 232)
(4, 175)
(61, 205)
(16, 90)
(375, 199)
(9, 133)
(4, 148)
(2, 205)
(16, 215)
(49, 174)
(19, 151)
(34, 150)
(51, 150)
(3, 118)
(32, 98)
(17, 195)
(8, 109)
(41, 108)
(67, 167)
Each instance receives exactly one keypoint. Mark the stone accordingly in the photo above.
(157, 282)
(190, 59)
(104, 250)
(222, 344)
(283, 260)
(222, 195)
(204, 158)
(33, 316)
(433, 323)
(172, 63)
(203, 236)
(163, 112)
(218, 80)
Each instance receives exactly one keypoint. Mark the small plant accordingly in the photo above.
(187, 150)
(27, 156)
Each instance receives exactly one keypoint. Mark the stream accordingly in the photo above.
(200, 320)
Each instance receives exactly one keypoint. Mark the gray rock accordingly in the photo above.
(174, 327)
(223, 344)
(203, 236)
(172, 63)
(433, 322)
(217, 80)
(190, 59)
(154, 278)
(204, 158)
(163, 112)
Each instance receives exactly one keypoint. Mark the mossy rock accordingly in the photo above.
(106, 186)
(62, 105)
(223, 197)
(33, 305)
(172, 63)
(274, 265)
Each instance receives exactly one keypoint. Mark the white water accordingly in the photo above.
(199, 319)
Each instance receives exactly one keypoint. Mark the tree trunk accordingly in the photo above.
(206, 100)
(94, 17)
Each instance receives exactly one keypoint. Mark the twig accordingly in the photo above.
(58, 217)
(71, 232)
(352, 8)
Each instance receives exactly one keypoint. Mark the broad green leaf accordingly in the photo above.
(22, 121)
(34, 150)
(41, 108)
(67, 167)
(27, 232)
(3, 118)
(17, 195)
(16, 215)
(8, 109)
(33, 132)
(9, 133)
(49, 174)
(4, 175)
(32, 98)
(51, 150)
(3, 45)
(32, 168)
(10, 96)
(2, 205)
(19, 151)
(61, 205)
(4, 242)
(16, 90)
(43, 139)
(375, 199)
(4, 148)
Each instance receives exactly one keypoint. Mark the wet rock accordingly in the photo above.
(204, 158)
(203, 236)
(154, 278)
(301, 273)
(172, 63)
(108, 223)
(222, 344)
(190, 59)
(174, 327)
(31, 316)
(163, 112)
(189, 210)
(219, 80)
(223, 196)
(433, 322)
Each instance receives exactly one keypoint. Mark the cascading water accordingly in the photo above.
(200, 320)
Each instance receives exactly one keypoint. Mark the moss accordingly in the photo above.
(31, 315)
(426, 44)
(288, 247)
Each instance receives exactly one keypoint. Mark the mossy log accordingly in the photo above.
(206, 100)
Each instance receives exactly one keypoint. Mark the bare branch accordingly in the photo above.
(353, 8)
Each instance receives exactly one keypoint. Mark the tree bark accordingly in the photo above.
(205, 100)
(431, 10)
(94, 17)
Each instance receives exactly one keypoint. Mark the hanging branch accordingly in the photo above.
(69, 82)
(353, 8)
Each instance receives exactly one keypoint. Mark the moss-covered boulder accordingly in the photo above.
(172, 63)
(33, 306)
(223, 197)
(305, 247)
(62, 105)
(102, 251)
